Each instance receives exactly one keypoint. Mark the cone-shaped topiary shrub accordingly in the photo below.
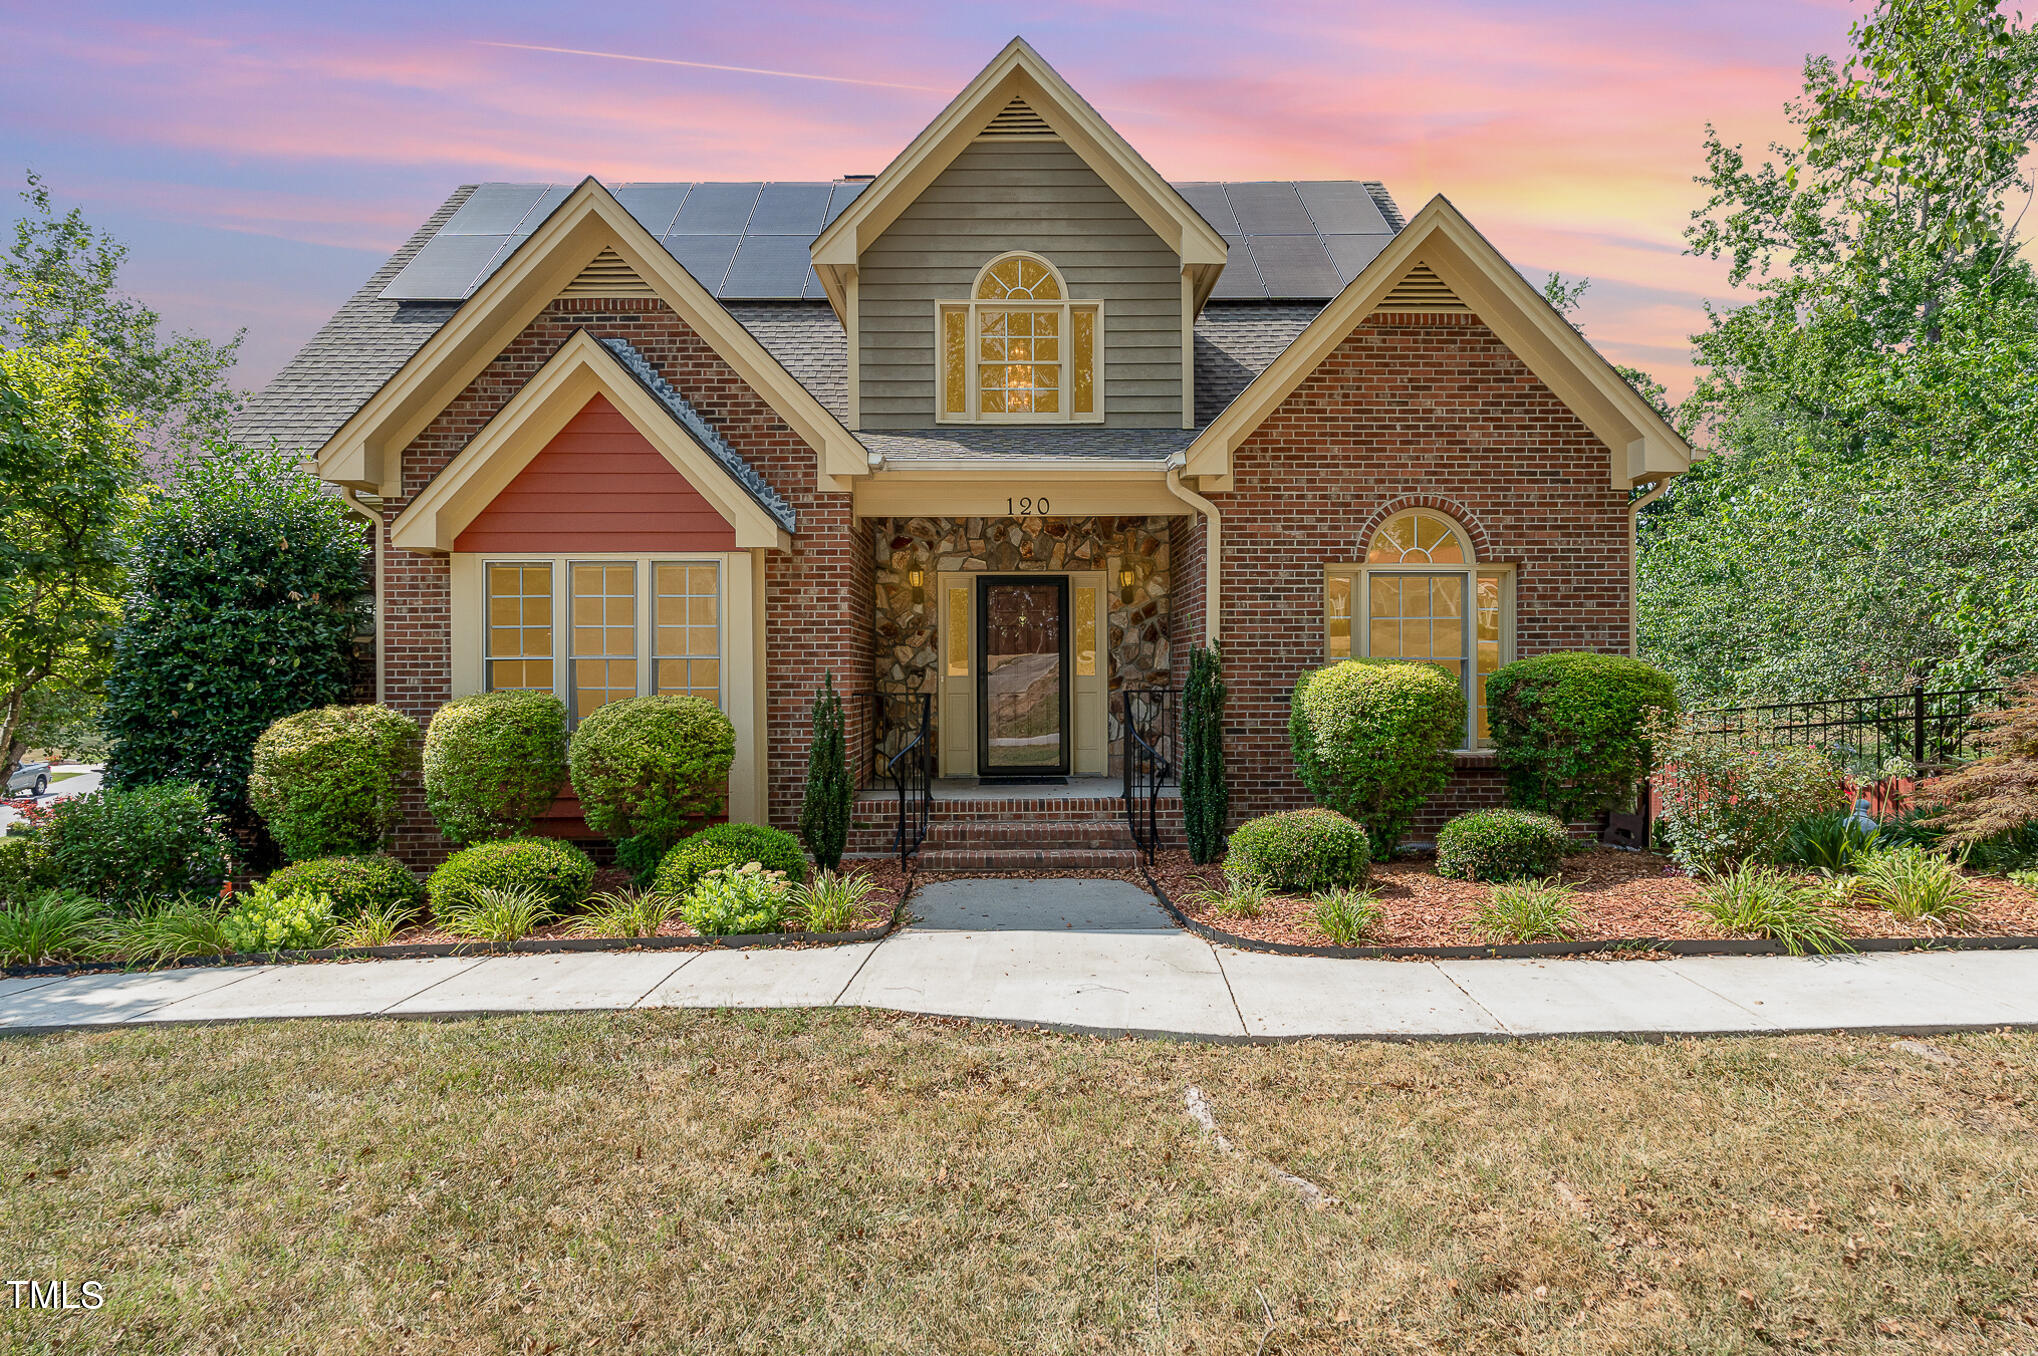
(1206, 796)
(557, 870)
(649, 768)
(1301, 850)
(1572, 730)
(331, 780)
(493, 763)
(1500, 845)
(368, 881)
(720, 845)
(1373, 740)
(829, 797)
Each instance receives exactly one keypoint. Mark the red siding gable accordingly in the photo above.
(599, 485)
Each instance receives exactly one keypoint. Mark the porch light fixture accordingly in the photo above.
(1125, 584)
(916, 579)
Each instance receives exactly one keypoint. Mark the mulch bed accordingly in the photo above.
(892, 884)
(1620, 895)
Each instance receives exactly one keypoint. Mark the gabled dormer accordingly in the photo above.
(1019, 263)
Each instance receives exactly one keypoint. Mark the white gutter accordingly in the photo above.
(1635, 564)
(349, 498)
(1213, 548)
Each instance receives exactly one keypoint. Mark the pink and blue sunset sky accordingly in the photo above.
(261, 160)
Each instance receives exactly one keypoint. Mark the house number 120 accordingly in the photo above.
(1026, 508)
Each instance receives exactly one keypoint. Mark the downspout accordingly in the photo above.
(1213, 548)
(1635, 564)
(349, 498)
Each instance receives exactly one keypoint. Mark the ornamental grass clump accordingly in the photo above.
(492, 914)
(1830, 841)
(170, 928)
(625, 913)
(1346, 916)
(493, 763)
(648, 768)
(331, 780)
(1300, 850)
(1500, 845)
(51, 926)
(833, 901)
(1914, 884)
(1756, 901)
(264, 921)
(1528, 911)
(1373, 740)
(1241, 896)
(376, 924)
(737, 901)
(1571, 731)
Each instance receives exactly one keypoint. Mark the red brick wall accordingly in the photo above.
(1428, 409)
(817, 599)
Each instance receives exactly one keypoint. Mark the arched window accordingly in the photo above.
(1019, 350)
(1422, 594)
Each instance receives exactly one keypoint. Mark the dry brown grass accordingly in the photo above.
(841, 1182)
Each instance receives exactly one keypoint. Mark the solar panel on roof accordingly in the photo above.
(813, 291)
(716, 209)
(1353, 252)
(704, 256)
(1342, 207)
(1293, 266)
(767, 266)
(1268, 209)
(841, 197)
(1240, 281)
(1210, 204)
(547, 202)
(654, 205)
(445, 269)
(493, 209)
(789, 209)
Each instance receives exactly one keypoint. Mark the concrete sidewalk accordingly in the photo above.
(1089, 956)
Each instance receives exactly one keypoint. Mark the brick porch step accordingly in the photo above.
(1027, 859)
(1092, 834)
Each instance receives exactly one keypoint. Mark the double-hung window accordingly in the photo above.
(1421, 595)
(1019, 350)
(596, 631)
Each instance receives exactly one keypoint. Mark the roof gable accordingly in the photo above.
(985, 105)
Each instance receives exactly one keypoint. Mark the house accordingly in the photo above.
(1011, 425)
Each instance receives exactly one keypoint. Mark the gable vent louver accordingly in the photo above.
(608, 274)
(1420, 289)
(1016, 121)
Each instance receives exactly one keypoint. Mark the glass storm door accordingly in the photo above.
(1022, 677)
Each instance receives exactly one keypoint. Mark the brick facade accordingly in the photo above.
(1409, 410)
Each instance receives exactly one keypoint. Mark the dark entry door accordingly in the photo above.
(1022, 679)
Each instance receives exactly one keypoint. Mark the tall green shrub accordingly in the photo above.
(829, 797)
(127, 843)
(1373, 740)
(331, 781)
(1729, 800)
(649, 768)
(244, 593)
(1571, 730)
(1206, 795)
(493, 763)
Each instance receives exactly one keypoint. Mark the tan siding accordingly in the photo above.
(1036, 196)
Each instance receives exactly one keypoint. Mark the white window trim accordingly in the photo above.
(1360, 574)
(1065, 388)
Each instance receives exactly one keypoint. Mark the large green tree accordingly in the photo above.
(1869, 518)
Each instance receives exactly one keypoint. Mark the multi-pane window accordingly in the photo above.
(629, 628)
(1421, 596)
(1019, 349)
(686, 635)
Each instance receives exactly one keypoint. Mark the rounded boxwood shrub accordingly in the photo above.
(1301, 850)
(366, 881)
(1572, 730)
(720, 845)
(331, 780)
(122, 844)
(1501, 845)
(648, 767)
(1373, 740)
(493, 763)
(558, 870)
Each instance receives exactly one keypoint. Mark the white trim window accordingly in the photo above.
(628, 626)
(1019, 351)
(1422, 595)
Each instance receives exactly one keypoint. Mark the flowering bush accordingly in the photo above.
(263, 920)
(737, 899)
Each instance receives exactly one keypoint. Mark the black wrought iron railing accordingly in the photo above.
(1893, 734)
(1148, 754)
(902, 758)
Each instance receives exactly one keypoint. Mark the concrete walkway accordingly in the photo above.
(1098, 956)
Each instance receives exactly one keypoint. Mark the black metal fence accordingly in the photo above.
(902, 759)
(1894, 734)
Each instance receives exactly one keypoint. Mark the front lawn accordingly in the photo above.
(837, 1182)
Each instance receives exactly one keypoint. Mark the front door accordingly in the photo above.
(1023, 675)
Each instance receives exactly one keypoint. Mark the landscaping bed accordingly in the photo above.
(1619, 896)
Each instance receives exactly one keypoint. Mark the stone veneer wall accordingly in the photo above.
(1140, 643)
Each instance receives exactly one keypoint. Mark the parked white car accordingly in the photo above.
(32, 778)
